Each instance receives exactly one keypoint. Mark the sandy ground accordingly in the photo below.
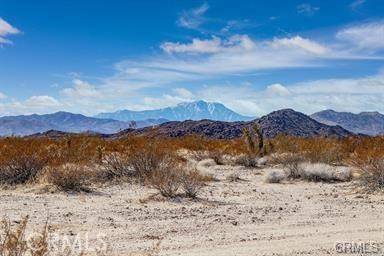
(247, 217)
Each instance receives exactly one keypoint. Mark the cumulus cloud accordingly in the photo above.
(203, 60)
(354, 95)
(6, 29)
(40, 104)
(277, 89)
(196, 46)
(300, 43)
(81, 89)
(307, 9)
(42, 101)
(159, 80)
(193, 18)
(213, 45)
(236, 54)
(368, 36)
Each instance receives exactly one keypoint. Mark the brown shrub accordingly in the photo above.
(192, 182)
(372, 173)
(167, 180)
(315, 150)
(150, 158)
(290, 163)
(20, 168)
(69, 177)
(13, 242)
(217, 156)
(247, 160)
(117, 166)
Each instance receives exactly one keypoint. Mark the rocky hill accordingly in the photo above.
(284, 121)
(369, 123)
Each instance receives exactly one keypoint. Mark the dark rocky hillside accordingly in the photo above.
(369, 123)
(284, 121)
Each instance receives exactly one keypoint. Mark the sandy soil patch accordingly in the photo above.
(246, 217)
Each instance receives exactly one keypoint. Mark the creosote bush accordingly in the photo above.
(150, 158)
(372, 173)
(116, 166)
(290, 163)
(21, 160)
(192, 182)
(166, 179)
(69, 177)
(20, 169)
(13, 241)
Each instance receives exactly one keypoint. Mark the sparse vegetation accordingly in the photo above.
(320, 172)
(192, 182)
(290, 163)
(275, 176)
(69, 177)
(372, 173)
(116, 166)
(13, 241)
(147, 159)
(20, 163)
(167, 180)
(22, 160)
(255, 147)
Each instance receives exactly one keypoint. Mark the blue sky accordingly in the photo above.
(253, 56)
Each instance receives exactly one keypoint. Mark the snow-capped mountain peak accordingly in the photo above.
(195, 110)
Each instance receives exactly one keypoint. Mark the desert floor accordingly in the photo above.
(246, 217)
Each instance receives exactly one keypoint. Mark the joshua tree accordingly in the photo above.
(255, 141)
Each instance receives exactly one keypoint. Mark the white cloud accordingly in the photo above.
(213, 45)
(156, 81)
(368, 36)
(39, 104)
(42, 101)
(307, 9)
(301, 43)
(196, 46)
(193, 18)
(277, 89)
(5, 30)
(237, 54)
(354, 95)
(81, 89)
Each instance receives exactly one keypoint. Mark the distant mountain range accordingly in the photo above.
(65, 122)
(369, 123)
(286, 121)
(213, 120)
(197, 110)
